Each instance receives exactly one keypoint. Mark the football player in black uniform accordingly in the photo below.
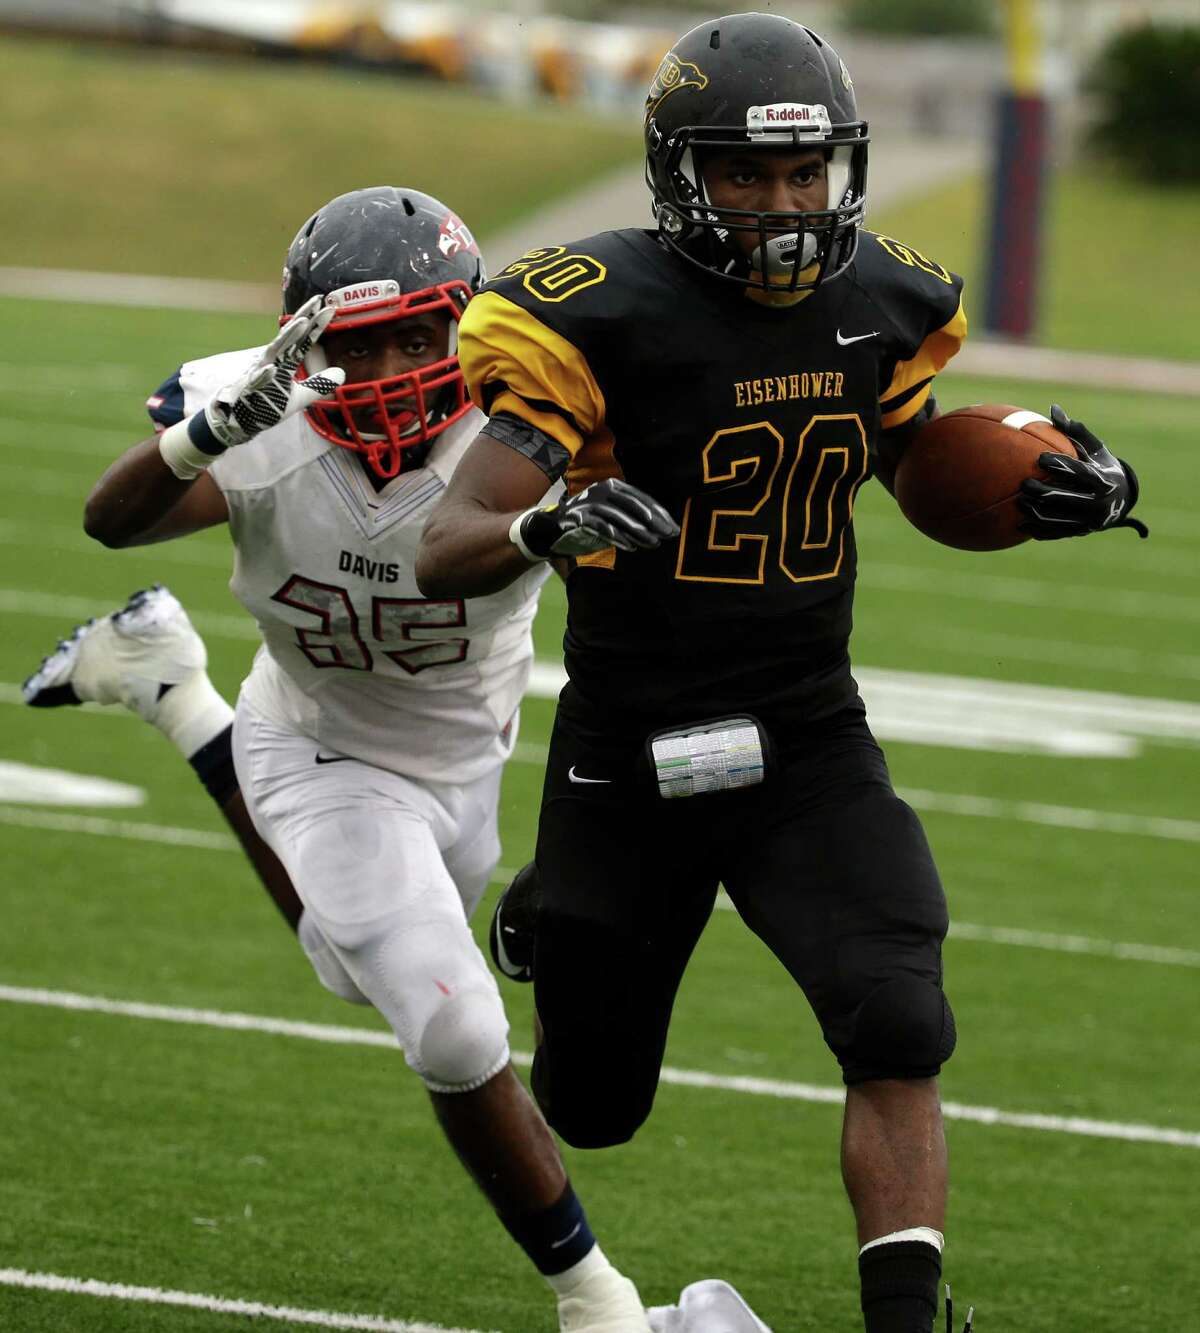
(715, 392)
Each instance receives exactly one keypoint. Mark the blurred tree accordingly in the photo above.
(1147, 82)
(930, 18)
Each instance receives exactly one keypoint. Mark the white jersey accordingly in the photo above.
(352, 654)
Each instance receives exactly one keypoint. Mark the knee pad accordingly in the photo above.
(464, 1042)
(903, 1029)
(330, 970)
(590, 1110)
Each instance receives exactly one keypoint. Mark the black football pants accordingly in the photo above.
(823, 862)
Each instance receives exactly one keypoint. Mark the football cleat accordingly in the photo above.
(131, 657)
(510, 936)
(708, 1306)
(968, 1326)
(604, 1302)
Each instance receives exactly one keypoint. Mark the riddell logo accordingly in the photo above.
(363, 293)
(813, 120)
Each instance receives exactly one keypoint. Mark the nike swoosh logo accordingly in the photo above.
(576, 778)
(332, 758)
(575, 1230)
(858, 337)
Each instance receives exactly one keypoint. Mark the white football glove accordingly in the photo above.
(266, 394)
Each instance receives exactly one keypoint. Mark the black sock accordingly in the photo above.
(900, 1286)
(556, 1239)
(214, 766)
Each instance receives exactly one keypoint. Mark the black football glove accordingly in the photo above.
(607, 513)
(1086, 494)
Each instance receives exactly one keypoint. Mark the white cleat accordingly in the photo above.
(131, 657)
(604, 1302)
(708, 1306)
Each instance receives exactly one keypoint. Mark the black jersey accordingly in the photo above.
(752, 424)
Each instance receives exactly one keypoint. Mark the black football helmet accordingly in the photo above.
(758, 81)
(382, 254)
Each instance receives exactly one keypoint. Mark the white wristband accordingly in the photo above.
(179, 452)
(514, 536)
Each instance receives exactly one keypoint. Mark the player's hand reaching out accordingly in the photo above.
(1086, 494)
(263, 396)
(606, 513)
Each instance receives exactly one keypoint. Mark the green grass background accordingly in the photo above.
(273, 1169)
(149, 161)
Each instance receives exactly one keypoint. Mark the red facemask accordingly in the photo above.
(403, 411)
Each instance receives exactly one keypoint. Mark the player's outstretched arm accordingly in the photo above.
(488, 528)
(139, 499)
(1090, 493)
(149, 493)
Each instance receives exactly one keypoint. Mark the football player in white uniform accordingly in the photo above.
(362, 767)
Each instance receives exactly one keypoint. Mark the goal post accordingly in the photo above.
(1016, 213)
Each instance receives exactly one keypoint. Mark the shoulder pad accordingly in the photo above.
(598, 275)
(914, 292)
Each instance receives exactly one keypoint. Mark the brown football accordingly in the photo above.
(959, 480)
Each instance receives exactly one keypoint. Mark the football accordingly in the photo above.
(959, 480)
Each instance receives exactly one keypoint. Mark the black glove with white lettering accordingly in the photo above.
(607, 513)
(1090, 493)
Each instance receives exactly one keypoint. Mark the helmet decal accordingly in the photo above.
(672, 75)
(455, 236)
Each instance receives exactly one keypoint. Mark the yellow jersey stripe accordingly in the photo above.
(931, 356)
(514, 363)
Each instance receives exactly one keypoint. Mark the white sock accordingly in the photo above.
(192, 713)
(926, 1234)
(564, 1283)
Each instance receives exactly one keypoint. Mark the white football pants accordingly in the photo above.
(389, 869)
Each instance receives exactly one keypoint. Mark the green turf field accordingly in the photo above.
(251, 1165)
(247, 1165)
(152, 161)
(1099, 292)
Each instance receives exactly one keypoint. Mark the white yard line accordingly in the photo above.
(134, 831)
(964, 930)
(71, 611)
(689, 1078)
(130, 830)
(1018, 937)
(1054, 816)
(984, 807)
(1057, 943)
(64, 537)
(919, 707)
(191, 1300)
(1012, 590)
